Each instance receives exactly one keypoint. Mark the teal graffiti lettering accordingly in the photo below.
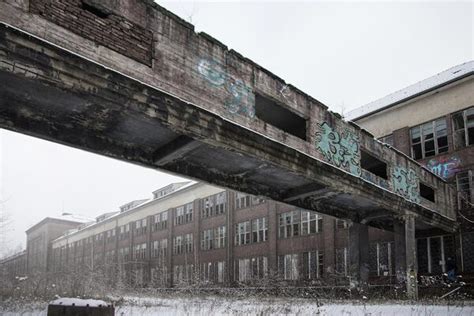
(342, 150)
(405, 183)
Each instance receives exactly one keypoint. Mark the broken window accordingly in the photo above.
(280, 117)
(373, 165)
(465, 187)
(429, 139)
(427, 192)
(463, 128)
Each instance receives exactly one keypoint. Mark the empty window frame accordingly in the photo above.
(259, 230)
(242, 200)
(183, 214)
(312, 265)
(276, 115)
(288, 266)
(429, 139)
(242, 233)
(465, 188)
(214, 205)
(299, 222)
(373, 165)
(160, 221)
(427, 192)
(463, 128)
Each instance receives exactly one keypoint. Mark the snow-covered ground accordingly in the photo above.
(261, 306)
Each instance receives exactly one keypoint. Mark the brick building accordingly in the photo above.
(200, 233)
(432, 121)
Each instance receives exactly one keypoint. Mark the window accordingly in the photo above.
(221, 203)
(110, 236)
(206, 239)
(206, 207)
(311, 223)
(242, 200)
(274, 114)
(188, 243)
(299, 222)
(429, 139)
(178, 245)
(188, 213)
(184, 214)
(219, 237)
(140, 227)
(124, 231)
(243, 270)
(220, 271)
(160, 221)
(373, 165)
(242, 233)
(179, 216)
(288, 266)
(313, 265)
(160, 248)
(463, 128)
(465, 188)
(289, 224)
(380, 258)
(427, 192)
(140, 251)
(214, 205)
(259, 229)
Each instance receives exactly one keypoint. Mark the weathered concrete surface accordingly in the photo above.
(50, 93)
(205, 125)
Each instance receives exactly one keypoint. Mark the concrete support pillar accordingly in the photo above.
(406, 267)
(359, 256)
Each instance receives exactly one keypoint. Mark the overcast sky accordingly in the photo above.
(344, 54)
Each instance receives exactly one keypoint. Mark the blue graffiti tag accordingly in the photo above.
(342, 150)
(212, 71)
(444, 167)
(240, 99)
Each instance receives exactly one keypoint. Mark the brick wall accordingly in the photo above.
(87, 19)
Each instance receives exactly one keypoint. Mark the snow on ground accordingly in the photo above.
(134, 306)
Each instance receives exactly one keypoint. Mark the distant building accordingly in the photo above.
(40, 235)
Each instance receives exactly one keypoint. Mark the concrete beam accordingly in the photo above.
(51, 93)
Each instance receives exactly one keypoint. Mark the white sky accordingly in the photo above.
(344, 54)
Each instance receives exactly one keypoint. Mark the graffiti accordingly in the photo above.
(405, 183)
(340, 149)
(212, 71)
(444, 167)
(239, 99)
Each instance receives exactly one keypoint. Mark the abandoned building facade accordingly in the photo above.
(183, 102)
